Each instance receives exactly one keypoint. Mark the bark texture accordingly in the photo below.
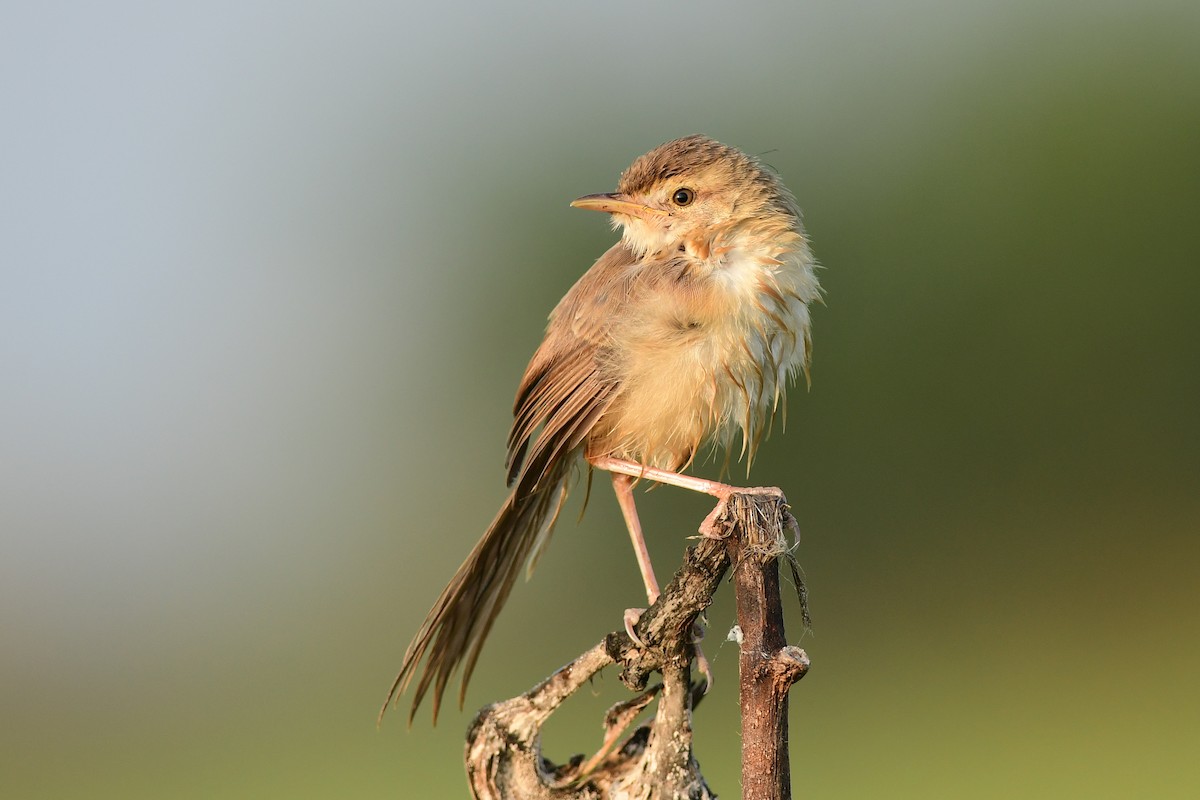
(655, 761)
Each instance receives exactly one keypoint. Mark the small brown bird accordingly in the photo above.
(687, 331)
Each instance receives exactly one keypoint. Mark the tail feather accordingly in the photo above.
(459, 622)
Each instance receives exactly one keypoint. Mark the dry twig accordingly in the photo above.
(503, 754)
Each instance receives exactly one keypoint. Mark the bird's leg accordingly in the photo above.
(624, 474)
(633, 469)
(721, 491)
(623, 487)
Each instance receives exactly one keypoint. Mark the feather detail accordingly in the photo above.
(685, 332)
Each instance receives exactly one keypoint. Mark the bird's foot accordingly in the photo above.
(714, 526)
(634, 615)
(631, 618)
(701, 661)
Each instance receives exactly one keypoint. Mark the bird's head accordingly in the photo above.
(689, 193)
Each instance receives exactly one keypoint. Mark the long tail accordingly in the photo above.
(459, 622)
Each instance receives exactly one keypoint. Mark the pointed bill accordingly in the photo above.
(613, 203)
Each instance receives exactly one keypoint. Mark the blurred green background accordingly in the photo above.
(269, 274)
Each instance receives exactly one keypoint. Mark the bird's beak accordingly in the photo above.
(618, 204)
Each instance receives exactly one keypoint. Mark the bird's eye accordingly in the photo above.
(683, 197)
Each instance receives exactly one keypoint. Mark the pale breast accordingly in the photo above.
(707, 356)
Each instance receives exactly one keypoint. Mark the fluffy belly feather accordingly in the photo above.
(708, 364)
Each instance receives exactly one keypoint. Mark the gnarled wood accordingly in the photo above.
(655, 761)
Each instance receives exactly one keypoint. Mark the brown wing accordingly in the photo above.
(563, 394)
(565, 388)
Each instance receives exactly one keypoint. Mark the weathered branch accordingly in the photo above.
(503, 754)
(768, 666)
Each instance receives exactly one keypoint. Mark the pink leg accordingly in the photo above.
(623, 486)
(636, 470)
(624, 475)
(721, 491)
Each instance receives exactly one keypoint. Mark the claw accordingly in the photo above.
(705, 669)
(712, 527)
(631, 618)
(709, 528)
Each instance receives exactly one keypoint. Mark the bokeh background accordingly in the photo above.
(269, 274)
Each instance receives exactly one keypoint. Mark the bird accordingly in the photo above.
(683, 336)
